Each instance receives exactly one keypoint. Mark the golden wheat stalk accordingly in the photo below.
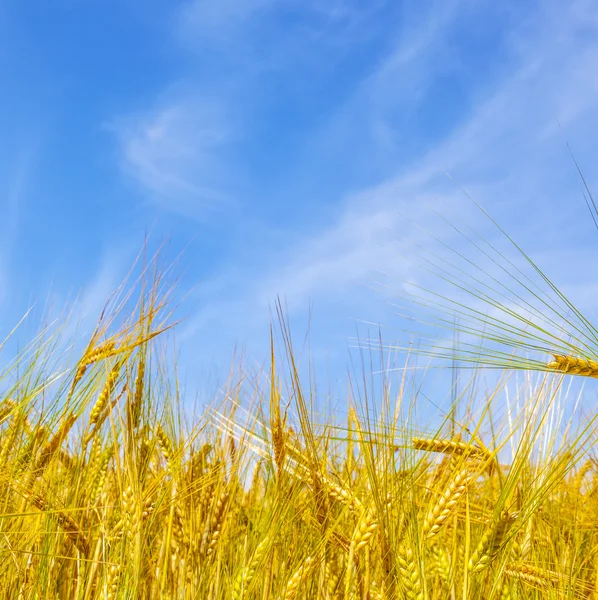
(10, 437)
(217, 523)
(544, 578)
(333, 578)
(107, 350)
(112, 581)
(102, 401)
(491, 542)
(134, 409)
(442, 562)
(410, 572)
(365, 530)
(165, 445)
(534, 576)
(99, 479)
(455, 447)
(248, 573)
(92, 356)
(299, 577)
(446, 504)
(574, 365)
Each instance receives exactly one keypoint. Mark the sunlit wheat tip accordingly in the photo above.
(573, 365)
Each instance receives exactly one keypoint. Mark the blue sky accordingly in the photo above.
(287, 146)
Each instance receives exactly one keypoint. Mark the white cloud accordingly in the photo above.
(175, 152)
(188, 150)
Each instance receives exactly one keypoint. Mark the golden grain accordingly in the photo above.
(446, 504)
(574, 365)
(410, 572)
(299, 577)
(492, 541)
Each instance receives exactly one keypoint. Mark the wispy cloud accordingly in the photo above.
(274, 31)
(246, 61)
(177, 153)
(506, 150)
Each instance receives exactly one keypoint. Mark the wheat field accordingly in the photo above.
(110, 491)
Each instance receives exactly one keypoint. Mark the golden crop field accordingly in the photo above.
(109, 491)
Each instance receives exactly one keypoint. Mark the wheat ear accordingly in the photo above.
(218, 519)
(298, 577)
(574, 365)
(410, 573)
(533, 576)
(454, 447)
(165, 445)
(102, 401)
(544, 578)
(446, 504)
(491, 542)
(441, 562)
(365, 530)
(92, 356)
(248, 573)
